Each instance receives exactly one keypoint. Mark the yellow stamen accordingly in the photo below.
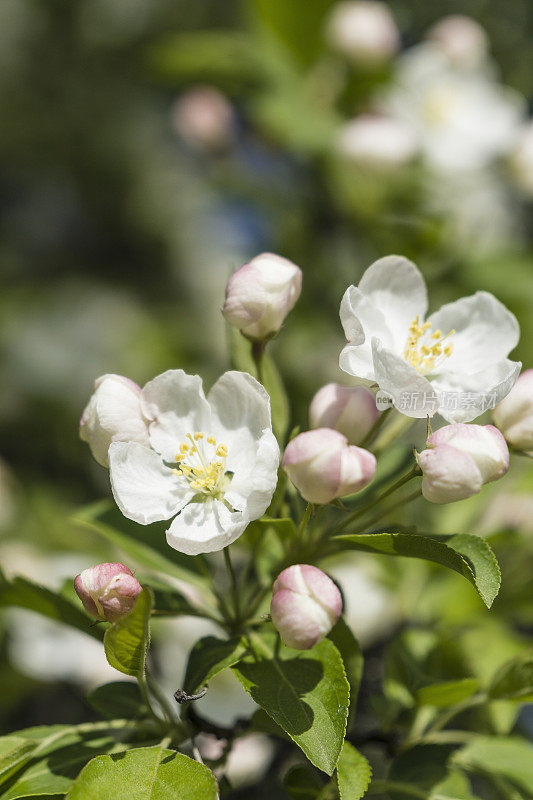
(423, 355)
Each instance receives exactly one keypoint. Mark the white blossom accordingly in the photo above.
(211, 464)
(454, 363)
(463, 119)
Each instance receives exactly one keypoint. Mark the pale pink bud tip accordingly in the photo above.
(459, 459)
(350, 410)
(514, 415)
(323, 466)
(108, 591)
(260, 295)
(305, 605)
(364, 31)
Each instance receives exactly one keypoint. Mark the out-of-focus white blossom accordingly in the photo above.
(462, 40)
(377, 141)
(460, 459)
(364, 31)
(351, 410)
(427, 366)
(521, 160)
(514, 415)
(204, 118)
(113, 414)
(463, 119)
(305, 606)
(260, 295)
(323, 466)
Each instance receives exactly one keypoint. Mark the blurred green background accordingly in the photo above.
(122, 220)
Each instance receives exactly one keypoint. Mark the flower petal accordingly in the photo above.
(252, 491)
(205, 527)
(145, 489)
(485, 332)
(463, 398)
(411, 393)
(361, 322)
(176, 404)
(240, 409)
(396, 288)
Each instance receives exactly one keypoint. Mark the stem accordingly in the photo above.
(161, 699)
(397, 425)
(234, 585)
(360, 511)
(390, 509)
(258, 351)
(464, 705)
(376, 427)
(302, 527)
(143, 686)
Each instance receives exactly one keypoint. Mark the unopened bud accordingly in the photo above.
(204, 118)
(260, 295)
(113, 414)
(459, 459)
(462, 40)
(364, 31)
(108, 591)
(514, 415)
(377, 142)
(323, 466)
(351, 410)
(305, 606)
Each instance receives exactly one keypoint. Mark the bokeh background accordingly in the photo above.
(151, 147)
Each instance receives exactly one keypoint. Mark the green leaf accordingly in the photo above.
(353, 773)
(15, 751)
(422, 767)
(126, 641)
(118, 699)
(23, 593)
(466, 554)
(305, 692)
(455, 786)
(352, 657)
(104, 519)
(144, 773)
(303, 34)
(169, 601)
(514, 680)
(302, 784)
(56, 762)
(508, 757)
(446, 693)
(208, 657)
(226, 59)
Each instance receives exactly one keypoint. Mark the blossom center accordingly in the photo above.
(425, 351)
(202, 462)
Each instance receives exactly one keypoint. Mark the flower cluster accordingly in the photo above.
(209, 463)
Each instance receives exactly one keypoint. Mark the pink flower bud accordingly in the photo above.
(204, 119)
(350, 410)
(323, 466)
(364, 31)
(462, 40)
(305, 606)
(460, 459)
(377, 142)
(514, 415)
(107, 591)
(260, 295)
(113, 414)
